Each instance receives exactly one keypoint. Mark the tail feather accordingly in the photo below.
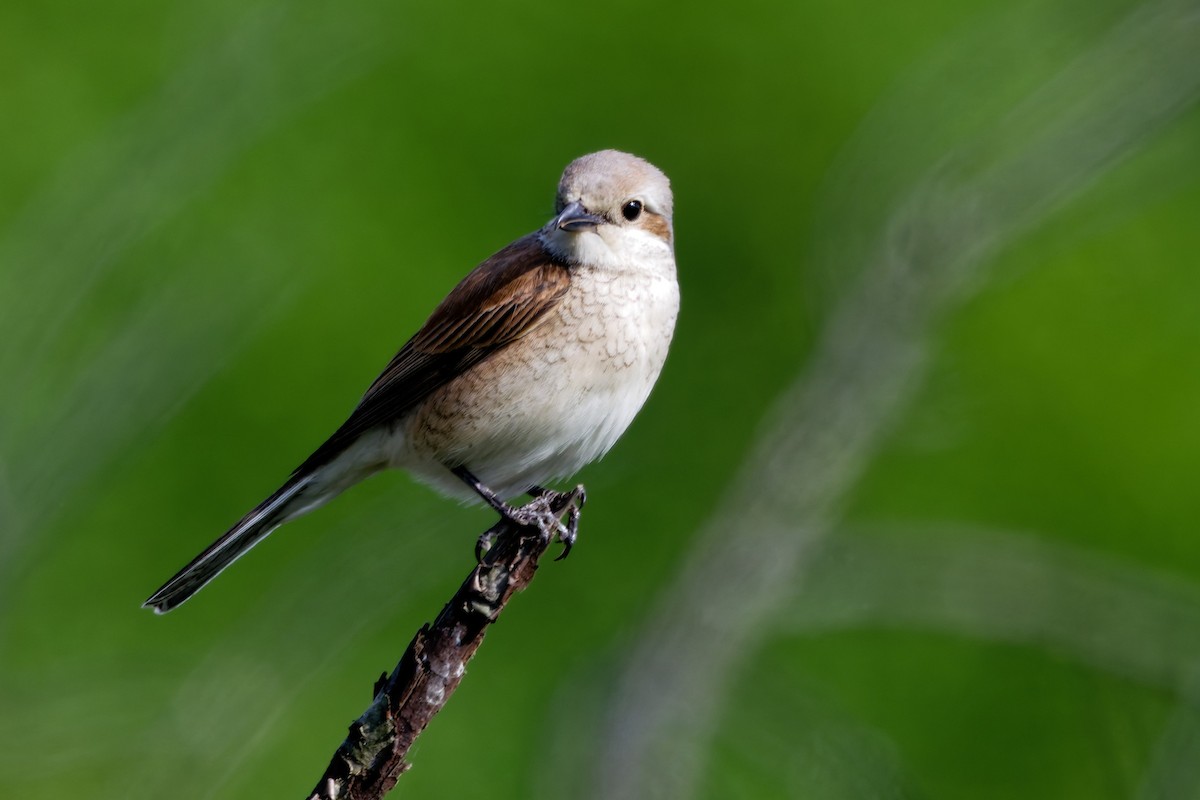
(268, 515)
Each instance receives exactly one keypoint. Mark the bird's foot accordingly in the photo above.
(545, 513)
(571, 503)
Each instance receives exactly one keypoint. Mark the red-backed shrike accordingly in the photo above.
(531, 367)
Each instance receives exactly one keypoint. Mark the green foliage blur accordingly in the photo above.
(218, 220)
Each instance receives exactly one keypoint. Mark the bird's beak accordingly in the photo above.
(575, 218)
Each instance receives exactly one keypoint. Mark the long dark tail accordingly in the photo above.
(268, 515)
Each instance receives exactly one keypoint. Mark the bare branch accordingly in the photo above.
(372, 758)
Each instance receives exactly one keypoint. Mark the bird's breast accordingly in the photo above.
(559, 397)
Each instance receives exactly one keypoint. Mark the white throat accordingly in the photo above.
(609, 247)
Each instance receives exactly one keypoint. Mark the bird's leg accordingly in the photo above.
(488, 537)
(543, 512)
(489, 497)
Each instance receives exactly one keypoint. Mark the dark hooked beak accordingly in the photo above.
(575, 218)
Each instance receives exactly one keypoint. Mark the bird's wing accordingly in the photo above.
(500, 301)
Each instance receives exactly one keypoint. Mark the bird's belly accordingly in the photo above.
(548, 404)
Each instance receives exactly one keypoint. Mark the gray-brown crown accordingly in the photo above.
(606, 179)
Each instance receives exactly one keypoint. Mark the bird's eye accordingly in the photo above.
(632, 210)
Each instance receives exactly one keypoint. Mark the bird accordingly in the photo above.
(530, 368)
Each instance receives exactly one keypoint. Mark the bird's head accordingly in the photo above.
(613, 209)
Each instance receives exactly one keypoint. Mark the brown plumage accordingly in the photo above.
(500, 301)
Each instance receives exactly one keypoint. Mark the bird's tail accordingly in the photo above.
(288, 502)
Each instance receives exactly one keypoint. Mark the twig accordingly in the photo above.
(371, 759)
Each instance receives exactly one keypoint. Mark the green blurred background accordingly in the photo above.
(911, 513)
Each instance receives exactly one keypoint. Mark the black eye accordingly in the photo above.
(632, 210)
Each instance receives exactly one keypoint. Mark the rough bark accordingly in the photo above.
(374, 755)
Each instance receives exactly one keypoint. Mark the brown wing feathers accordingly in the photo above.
(497, 303)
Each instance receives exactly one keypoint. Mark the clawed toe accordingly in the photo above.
(570, 532)
(484, 543)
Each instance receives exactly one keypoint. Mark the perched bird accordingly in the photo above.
(533, 366)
